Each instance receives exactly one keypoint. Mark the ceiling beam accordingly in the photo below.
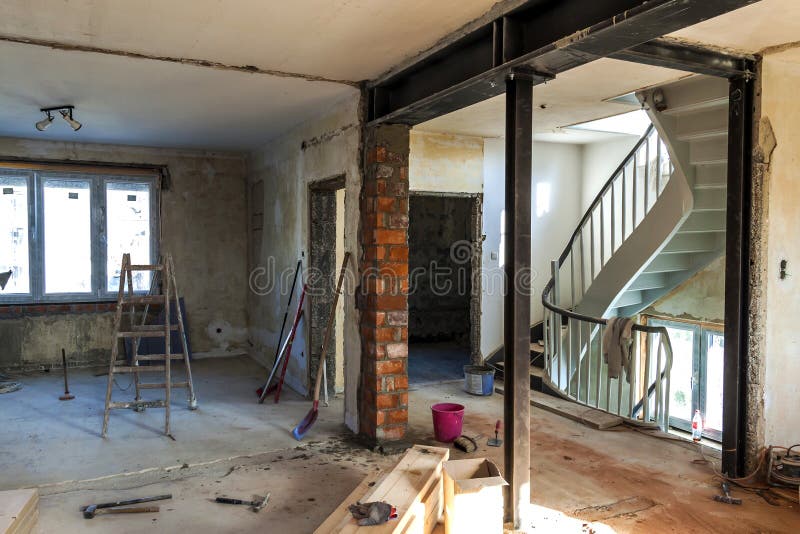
(545, 36)
(689, 57)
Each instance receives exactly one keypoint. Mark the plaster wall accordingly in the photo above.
(559, 166)
(700, 298)
(780, 78)
(599, 160)
(324, 148)
(202, 225)
(445, 163)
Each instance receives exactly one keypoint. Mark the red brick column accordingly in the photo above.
(383, 395)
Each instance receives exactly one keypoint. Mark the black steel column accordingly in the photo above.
(517, 305)
(737, 275)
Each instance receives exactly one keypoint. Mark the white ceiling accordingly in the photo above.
(750, 29)
(572, 97)
(130, 101)
(148, 102)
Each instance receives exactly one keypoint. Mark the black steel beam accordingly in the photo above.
(545, 36)
(517, 298)
(688, 57)
(737, 265)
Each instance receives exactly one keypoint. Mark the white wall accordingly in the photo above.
(558, 165)
(781, 77)
(599, 161)
(324, 148)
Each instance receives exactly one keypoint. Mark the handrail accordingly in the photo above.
(577, 358)
(590, 210)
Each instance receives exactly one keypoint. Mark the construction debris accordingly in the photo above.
(19, 511)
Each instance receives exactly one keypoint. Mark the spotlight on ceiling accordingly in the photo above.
(45, 123)
(66, 113)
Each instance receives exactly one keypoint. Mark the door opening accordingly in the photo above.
(444, 293)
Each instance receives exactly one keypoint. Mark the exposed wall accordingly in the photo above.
(700, 298)
(780, 198)
(599, 161)
(317, 150)
(439, 276)
(559, 166)
(445, 163)
(203, 226)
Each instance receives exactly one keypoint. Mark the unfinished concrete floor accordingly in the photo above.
(583, 480)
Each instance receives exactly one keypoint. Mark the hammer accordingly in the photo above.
(727, 499)
(255, 505)
(92, 510)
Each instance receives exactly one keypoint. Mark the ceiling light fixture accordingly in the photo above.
(45, 123)
(66, 113)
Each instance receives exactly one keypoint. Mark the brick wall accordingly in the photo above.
(383, 299)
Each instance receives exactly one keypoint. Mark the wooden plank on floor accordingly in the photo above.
(19, 510)
(591, 417)
(404, 488)
(338, 517)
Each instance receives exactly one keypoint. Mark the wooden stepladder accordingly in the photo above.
(138, 328)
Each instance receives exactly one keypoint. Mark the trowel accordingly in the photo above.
(495, 441)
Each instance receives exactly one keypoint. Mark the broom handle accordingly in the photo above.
(330, 326)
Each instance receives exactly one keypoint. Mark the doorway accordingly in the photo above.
(444, 293)
(326, 253)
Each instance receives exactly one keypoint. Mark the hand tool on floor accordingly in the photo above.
(284, 354)
(278, 349)
(66, 396)
(466, 443)
(304, 425)
(727, 499)
(495, 441)
(255, 505)
(92, 511)
(126, 502)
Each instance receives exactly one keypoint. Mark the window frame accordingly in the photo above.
(98, 180)
(701, 332)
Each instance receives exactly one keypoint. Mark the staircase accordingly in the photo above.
(658, 220)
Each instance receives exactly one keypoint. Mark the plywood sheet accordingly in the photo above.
(18, 510)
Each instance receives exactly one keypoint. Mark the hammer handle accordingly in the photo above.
(129, 501)
(139, 510)
(228, 500)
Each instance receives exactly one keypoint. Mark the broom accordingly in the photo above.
(300, 430)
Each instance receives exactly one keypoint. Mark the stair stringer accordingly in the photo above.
(643, 244)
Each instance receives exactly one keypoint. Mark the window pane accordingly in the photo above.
(128, 215)
(680, 405)
(67, 236)
(14, 255)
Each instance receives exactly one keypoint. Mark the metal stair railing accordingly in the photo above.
(573, 341)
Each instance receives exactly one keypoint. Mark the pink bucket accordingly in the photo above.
(447, 420)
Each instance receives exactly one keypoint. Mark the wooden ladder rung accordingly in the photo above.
(157, 267)
(143, 299)
(157, 357)
(143, 333)
(139, 368)
(138, 404)
(162, 385)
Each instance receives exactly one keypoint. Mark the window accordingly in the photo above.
(696, 376)
(63, 234)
